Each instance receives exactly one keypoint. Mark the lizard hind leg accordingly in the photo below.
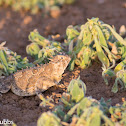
(5, 84)
(42, 84)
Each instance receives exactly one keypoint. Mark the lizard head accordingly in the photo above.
(60, 62)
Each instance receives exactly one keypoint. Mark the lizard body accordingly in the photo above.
(29, 81)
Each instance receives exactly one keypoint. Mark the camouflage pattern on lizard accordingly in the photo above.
(37, 79)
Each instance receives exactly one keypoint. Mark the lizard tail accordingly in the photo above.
(5, 84)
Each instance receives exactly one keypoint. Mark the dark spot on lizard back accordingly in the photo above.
(35, 70)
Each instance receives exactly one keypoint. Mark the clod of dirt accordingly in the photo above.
(55, 13)
(27, 20)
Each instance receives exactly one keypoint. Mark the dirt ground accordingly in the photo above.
(15, 28)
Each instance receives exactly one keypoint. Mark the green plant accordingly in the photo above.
(52, 120)
(27, 5)
(120, 79)
(41, 48)
(84, 110)
(35, 5)
(77, 90)
(96, 39)
(10, 62)
(118, 113)
(91, 39)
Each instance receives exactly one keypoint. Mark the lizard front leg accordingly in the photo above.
(42, 84)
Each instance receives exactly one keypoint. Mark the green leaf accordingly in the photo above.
(117, 36)
(115, 86)
(102, 57)
(48, 119)
(96, 121)
(33, 49)
(3, 59)
(77, 90)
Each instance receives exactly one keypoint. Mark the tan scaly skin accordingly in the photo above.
(34, 80)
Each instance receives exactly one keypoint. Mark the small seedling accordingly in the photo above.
(41, 48)
(10, 62)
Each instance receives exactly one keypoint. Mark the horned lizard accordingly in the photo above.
(29, 81)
